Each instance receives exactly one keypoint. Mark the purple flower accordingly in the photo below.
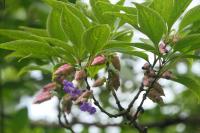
(87, 107)
(70, 89)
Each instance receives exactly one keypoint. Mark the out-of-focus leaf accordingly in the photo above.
(188, 43)
(29, 47)
(190, 17)
(26, 69)
(17, 35)
(178, 8)
(190, 83)
(35, 31)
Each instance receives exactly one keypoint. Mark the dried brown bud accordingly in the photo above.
(114, 81)
(147, 81)
(45, 93)
(162, 48)
(67, 103)
(99, 82)
(98, 60)
(167, 75)
(116, 62)
(150, 73)
(83, 97)
(79, 75)
(146, 66)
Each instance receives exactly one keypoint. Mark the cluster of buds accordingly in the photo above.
(149, 80)
(45, 94)
(163, 48)
(79, 97)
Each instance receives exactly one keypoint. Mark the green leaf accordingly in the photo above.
(95, 38)
(126, 18)
(100, 9)
(17, 35)
(188, 43)
(163, 7)
(125, 35)
(178, 8)
(190, 17)
(151, 23)
(93, 70)
(72, 26)
(35, 31)
(79, 14)
(190, 83)
(54, 25)
(29, 47)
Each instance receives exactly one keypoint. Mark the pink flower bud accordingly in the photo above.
(45, 93)
(98, 60)
(99, 82)
(167, 75)
(79, 75)
(64, 70)
(116, 62)
(162, 48)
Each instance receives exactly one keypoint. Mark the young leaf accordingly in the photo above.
(151, 23)
(17, 35)
(190, 17)
(29, 47)
(54, 25)
(95, 38)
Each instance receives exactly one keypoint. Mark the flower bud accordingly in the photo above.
(98, 60)
(99, 82)
(167, 75)
(79, 75)
(116, 62)
(162, 48)
(114, 81)
(64, 70)
(146, 66)
(45, 93)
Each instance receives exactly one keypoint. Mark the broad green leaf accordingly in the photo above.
(188, 43)
(54, 27)
(190, 17)
(190, 83)
(72, 26)
(29, 47)
(93, 70)
(35, 31)
(95, 38)
(178, 8)
(163, 7)
(151, 23)
(17, 35)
